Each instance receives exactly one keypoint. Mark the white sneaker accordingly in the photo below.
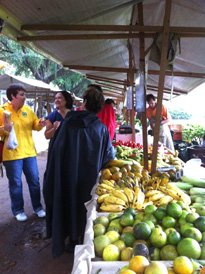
(41, 213)
(21, 217)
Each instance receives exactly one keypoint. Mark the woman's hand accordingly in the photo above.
(42, 122)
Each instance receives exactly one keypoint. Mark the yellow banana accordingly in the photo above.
(156, 197)
(129, 193)
(146, 204)
(139, 198)
(100, 191)
(111, 208)
(105, 186)
(114, 200)
(120, 194)
(173, 194)
(164, 200)
(118, 163)
(101, 198)
(108, 182)
(152, 192)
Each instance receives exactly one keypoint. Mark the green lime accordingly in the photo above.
(128, 238)
(193, 233)
(200, 223)
(168, 221)
(184, 227)
(98, 229)
(160, 213)
(126, 219)
(149, 209)
(174, 210)
(173, 237)
(130, 210)
(102, 220)
(142, 231)
(168, 253)
(113, 236)
(139, 216)
(158, 237)
(150, 217)
(191, 217)
(189, 247)
(150, 223)
(111, 253)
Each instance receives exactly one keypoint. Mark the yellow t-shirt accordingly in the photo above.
(24, 120)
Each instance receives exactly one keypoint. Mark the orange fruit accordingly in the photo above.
(138, 264)
(183, 265)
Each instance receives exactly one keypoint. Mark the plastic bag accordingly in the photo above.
(193, 169)
(12, 142)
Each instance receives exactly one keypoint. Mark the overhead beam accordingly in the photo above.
(179, 73)
(97, 68)
(62, 37)
(166, 89)
(114, 28)
(118, 89)
(105, 79)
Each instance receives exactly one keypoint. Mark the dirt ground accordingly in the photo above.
(22, 247)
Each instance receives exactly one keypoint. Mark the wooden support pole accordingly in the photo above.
(163, 67)
(142, 69)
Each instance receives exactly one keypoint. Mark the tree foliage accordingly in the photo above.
(31, 64)
(178, 114)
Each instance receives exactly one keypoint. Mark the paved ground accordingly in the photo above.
(22, 248)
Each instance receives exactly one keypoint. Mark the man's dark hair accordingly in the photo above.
(13, 89)
(109, 101)
(98, 87)
(68, 98)
(150, 97)
(93, 99)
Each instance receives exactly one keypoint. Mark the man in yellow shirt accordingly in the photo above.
(22, 159)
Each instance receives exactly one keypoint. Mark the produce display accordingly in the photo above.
(173, 232)
(125, 184)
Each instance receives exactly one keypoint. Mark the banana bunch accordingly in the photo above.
(116, 200)
(105, 186)
(165, 194)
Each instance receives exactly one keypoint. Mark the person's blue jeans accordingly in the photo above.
(14, 170)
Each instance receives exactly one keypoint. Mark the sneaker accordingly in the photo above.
(21, 217)
(41, 213)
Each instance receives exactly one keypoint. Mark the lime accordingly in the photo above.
(168, 221)
(154, 253)
(116, 227)
(113, 236)
(111, 253)
(183, 265)
(120, 244)
(127, 271)
(182, 220)
(128, 238)
(127, 229)
(150, 217)
(100, 242)
(160, 213)
(126, 254)
(158, 237)
(202, 256)
(130, 210)
(193, 233)
(200, 223)
(169, 229)
(156, 268)
(189, 247)
(150, 223)
(185, 226)
(149, 209)
(203, 237)
(142, 231)
(168, 253)
(127, 219)
(112, 216)
(191, 217)
(98, 229)
(174, 210)
(102, 220)
(173, 237)
(139, 216)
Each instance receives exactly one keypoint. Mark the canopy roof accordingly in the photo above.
(101, 38)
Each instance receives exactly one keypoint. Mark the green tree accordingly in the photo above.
(31, 64)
